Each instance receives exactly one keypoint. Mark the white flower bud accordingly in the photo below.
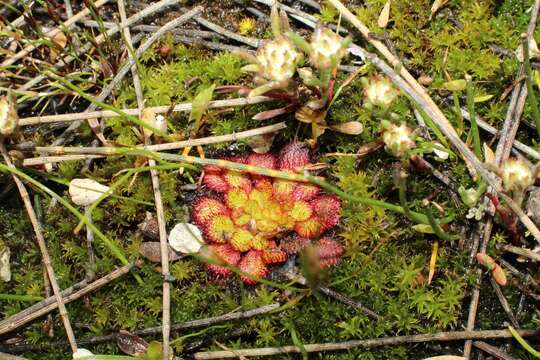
(380, 92)
(278, 59)
(8, 116)
(397, 139)
(186, 238)
(516, 175)
(327, 48)
(85, 192)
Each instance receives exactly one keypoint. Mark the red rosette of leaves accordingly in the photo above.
(224, 254)
(293, 157)
(253, 264)
(207, 208)
(327, 209)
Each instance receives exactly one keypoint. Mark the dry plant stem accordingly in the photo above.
(195, 41)
(166, 296)
(188, 325)
(36, 120)
(129, 44)
(504, 303)
(49, 304)
(153, 28)
(51, 34)
(337, 296)
(519, 251)
(159, 147)
(43, 248)
(527, 150)
(69, 8)
(149, 10)
(417, 92)
(367, 343)
(492, 350)
(222, 31)
(525, 278)
(5, 324)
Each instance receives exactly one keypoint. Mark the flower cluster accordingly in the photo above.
(242, 225)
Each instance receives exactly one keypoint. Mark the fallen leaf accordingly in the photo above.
(433, 261)
(489, 155)
(186, 238)
(384, 17)
(149, 117)
(60, 40)
(486, 260)
(308, 115)
(131, 344)
(261, 143)
(350, 128)
(499, 275)
(84, 192)
(151, 251)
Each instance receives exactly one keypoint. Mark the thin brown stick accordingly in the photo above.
(367, 343)
(43, 248)
(519, 251)
(504, 303)
(212, 45)
(69, 295)
(527, 150)
(337, 296)
(51, 34)
(37, 120)
(160, 212)
(492, 350)
(159, 147)
(187, 325)
(253, 42)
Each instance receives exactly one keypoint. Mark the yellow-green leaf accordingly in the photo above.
(200, 105)
(455, 85)
(423, 228)
(482, 98)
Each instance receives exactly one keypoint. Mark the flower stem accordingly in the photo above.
(528, 81)
(472, 115)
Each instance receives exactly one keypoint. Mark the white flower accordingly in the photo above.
(8, 116)
(85, 192)
(5, 271)
(82, 353)
(327, 48)
(397, 139)
(516, 175)
(443, 155)
(185, 238)
(380, 92)
(278, 59)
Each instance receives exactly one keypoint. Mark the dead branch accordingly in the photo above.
(367, 343)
